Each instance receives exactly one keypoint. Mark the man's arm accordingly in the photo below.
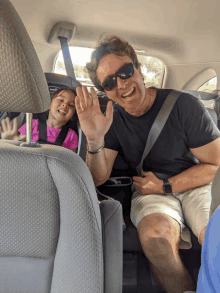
(100, 164)
(196, 176)
(95, 125)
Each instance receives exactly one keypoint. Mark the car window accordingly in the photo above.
(80, 56)
(152, 68)
(208, 87)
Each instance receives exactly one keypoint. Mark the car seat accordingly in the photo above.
(55, 237)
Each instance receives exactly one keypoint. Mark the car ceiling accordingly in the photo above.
(178, 32)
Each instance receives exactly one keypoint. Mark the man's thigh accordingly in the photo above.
(196, 208)
(144, 205)
(168, 207)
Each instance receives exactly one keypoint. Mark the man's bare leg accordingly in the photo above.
(159, 235)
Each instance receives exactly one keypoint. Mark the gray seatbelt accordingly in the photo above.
(79, 138)
(158, 125)
(66, 56)
(20, 119)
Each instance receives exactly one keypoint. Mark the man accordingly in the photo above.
(187, 150)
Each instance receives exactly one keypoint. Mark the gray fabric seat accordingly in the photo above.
(54, 235)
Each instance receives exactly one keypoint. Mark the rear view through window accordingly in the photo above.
(152, 68)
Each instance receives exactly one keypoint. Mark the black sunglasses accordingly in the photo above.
(124, 72)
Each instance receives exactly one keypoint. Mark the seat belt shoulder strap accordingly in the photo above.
(158, 125)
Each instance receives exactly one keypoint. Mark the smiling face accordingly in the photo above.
(62, 107)
(128, 93)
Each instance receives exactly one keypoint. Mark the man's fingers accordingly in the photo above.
(109, 111)
(78, 105)
(80, 95)
(138, 184)
(137, 179)
(87, 98)
(95, 99)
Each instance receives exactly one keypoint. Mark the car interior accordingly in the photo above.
(55, 234)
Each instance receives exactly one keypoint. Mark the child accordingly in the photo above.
(61, 110)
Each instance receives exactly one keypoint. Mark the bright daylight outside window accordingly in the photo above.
(152, 68)
(209, 87)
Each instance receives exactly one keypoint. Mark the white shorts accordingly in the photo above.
(191, 208)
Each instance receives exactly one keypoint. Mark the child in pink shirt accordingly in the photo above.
(61, 110)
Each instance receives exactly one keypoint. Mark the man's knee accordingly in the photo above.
(158, 250)
(160, 226)
(159, 236)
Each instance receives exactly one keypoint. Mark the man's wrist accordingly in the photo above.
(94, 146)
(167, 187)
(98, 150)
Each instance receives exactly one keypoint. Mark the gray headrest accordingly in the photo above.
(56, 81)
(23, 86)
(202, 95)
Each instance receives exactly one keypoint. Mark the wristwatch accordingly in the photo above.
(167, 188)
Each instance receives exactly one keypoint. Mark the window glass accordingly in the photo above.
(209, 87)
(80, 56)
(152, 68)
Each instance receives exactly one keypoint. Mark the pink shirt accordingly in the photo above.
(70, 142)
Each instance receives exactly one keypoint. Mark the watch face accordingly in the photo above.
(167, 186)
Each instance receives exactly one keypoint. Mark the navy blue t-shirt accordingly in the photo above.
(188, 126)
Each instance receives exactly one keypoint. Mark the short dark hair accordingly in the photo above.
(109, 45)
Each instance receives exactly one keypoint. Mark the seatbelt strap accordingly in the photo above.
(66, 56)
(21, 118)
(62, 135)
(42, 127)
(158, 125)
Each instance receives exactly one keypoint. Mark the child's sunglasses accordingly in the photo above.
(124, 72)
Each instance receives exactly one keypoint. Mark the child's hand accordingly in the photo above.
(9, 131)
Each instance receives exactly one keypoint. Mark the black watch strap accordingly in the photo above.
(167, 188)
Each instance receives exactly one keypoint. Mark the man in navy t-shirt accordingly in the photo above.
(187, 152)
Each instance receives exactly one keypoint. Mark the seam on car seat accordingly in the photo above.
(112, 215)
